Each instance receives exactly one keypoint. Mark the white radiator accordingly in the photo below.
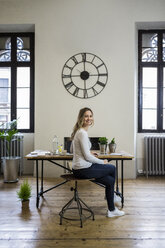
(154, 155)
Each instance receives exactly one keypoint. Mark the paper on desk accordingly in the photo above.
(121, 153)
(116, 154)
(40, 152)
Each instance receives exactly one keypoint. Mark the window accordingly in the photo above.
(17, 79)
(151, 79)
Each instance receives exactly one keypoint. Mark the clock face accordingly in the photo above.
(84, 75)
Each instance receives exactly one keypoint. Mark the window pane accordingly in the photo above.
(149, 47)
(163, 76)
(5, 74)
(23, 77)
(149, 40)
(23, 49)
(5, 94)
(23, 43)
(23, 116)
(164, 40)
(5, 49)
(149, 119)
(149, 98)
(163, 97)
(164, 119)
(4, 116)
(149, 55)
(23, 97)
(149, 77)
(163, 47)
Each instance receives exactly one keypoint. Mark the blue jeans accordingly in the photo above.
(104, 174)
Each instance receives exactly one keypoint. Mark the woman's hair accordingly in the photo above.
(80, 121)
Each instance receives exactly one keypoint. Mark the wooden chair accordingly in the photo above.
(81, 207)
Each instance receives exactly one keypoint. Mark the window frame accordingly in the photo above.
(14, 64)
(160, 64)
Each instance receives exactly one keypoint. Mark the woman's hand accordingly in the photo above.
(94, 154)
(105, 161)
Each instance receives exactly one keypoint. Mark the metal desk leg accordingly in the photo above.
(117, 182)
(122, 184)
(38, 198)
(42, 175)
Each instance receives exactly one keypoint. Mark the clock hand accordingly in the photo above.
(85, 84)
(101, 74)
(75, 75)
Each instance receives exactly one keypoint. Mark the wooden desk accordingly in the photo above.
(54, 160)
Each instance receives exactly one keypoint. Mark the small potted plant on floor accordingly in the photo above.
(103, 141)
(112, 146)
(24, 194)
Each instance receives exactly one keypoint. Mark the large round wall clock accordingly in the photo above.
(84, 75)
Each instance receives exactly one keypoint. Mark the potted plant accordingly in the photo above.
(112, 146)
(24, 193)
(103, 141)
(10, 163)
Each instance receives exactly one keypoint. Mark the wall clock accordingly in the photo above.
(84, 75)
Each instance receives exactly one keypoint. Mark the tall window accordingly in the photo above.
(17, 79)
(151, 94)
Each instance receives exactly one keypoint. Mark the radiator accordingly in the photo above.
(16, 149)
(154, 155)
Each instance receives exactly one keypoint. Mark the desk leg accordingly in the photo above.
(117, 182)
(42, 175)
(37, 198)
(122, 184)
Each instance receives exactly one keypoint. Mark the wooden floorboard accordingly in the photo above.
(142, 226)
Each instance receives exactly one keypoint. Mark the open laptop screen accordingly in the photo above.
(94, 141)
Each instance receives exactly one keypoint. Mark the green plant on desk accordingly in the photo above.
(103, 144)
(112, 146)
(112, 141)
(103, 140)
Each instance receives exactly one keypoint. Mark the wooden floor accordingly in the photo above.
(143, 226)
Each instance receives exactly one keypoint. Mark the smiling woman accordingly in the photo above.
(87, 166)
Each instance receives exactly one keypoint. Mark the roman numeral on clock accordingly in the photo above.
(94, 91)
(100, 83)
(85, 93)
(67, 66)
(69, 85)
(75, 93)
(83, 57)
(74, 60)
(66, 76)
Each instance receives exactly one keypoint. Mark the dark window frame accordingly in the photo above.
(159, 65)
(13, 64)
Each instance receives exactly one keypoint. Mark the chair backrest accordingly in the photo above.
(94, 141)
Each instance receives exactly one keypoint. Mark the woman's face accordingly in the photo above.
(88, 119)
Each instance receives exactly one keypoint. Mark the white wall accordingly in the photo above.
(66, 27)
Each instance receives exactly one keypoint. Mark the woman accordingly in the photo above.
(87, 165)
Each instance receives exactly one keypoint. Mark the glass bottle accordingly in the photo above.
(55, 145)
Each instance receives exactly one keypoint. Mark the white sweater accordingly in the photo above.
(82, 157)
